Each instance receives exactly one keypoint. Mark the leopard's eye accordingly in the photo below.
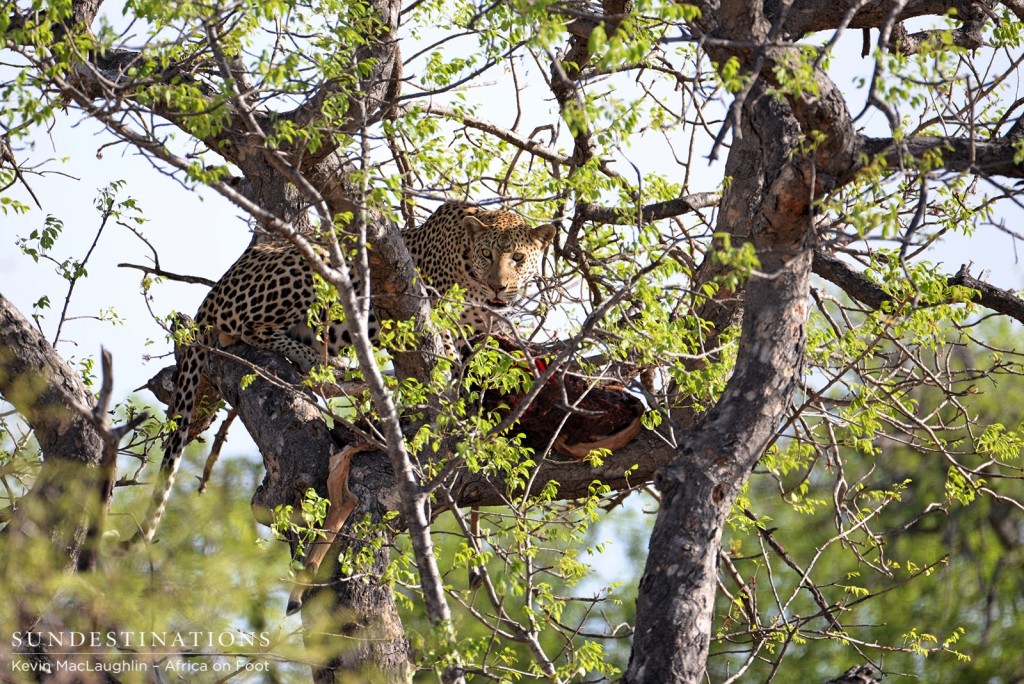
(486, 253)
(518, 257)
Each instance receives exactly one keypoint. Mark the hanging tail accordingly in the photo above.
(184, 406)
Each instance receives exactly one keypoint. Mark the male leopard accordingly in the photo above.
(264, 299)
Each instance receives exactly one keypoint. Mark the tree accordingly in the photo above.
(321, 119)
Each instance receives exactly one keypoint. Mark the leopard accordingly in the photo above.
(265, 297)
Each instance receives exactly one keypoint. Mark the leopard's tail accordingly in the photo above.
(183, 407)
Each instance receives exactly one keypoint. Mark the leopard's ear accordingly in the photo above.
(474, 226)
(543, 234)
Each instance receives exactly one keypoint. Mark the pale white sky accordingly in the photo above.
(196, 233)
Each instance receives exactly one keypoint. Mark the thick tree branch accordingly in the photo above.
(997, 299)
(374, 96)
(807, 16)
(860, 288)
(1015, 6)
(567, 69)
(105, 76)
(295, 443)
(39, 384)
(849, 280)
(283, 192)
(284, 186)
(296, 446)
(83, 13)
(769, 203)
(983, 157)
(54, 518)
(970, 36)
(858, 674)
(788, 151)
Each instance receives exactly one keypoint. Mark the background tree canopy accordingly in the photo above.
(751, 201)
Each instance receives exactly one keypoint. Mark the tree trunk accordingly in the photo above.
(53, 519)
(677, 593)
(39, 384)
(296, 446)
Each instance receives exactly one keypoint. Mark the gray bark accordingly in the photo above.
(55, 517)
(768, 202)
(677, 592)
(296, 446)
(40, 384)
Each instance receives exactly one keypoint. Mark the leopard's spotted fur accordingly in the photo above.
(264, 298)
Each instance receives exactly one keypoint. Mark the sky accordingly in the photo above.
(194, 232)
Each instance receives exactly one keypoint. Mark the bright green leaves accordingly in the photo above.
(1000, 443)
(165, 14)
(40, 23)
(44, 50)
(795, 75)
(960, 487)
(42, 240)
(911, 286)
(925, 644)
(790, 465)
(302, 525)
(207, 174)
(1008, 31)
(41, 245)
(732, 75)
(10, 205)
(442, 70)
(534, 556)
(477, 445)
(188, 104)
(881, 388)
(326, 308)
(741, 259)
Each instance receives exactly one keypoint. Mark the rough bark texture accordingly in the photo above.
(768, 202)
(39, 384)
(676, 598)
(55, 517)
(296, 446)
(278, 188)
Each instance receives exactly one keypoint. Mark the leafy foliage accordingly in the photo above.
(884, 521)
